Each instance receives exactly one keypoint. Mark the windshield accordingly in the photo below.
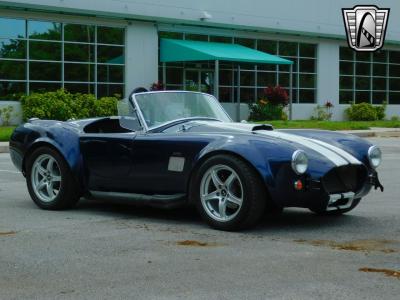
(162, 107)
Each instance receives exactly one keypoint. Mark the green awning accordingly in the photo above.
(185, 50)
(116, 60)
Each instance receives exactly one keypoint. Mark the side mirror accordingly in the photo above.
(244, 121)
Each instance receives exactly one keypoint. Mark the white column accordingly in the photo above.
(141, 56)
(328, 75)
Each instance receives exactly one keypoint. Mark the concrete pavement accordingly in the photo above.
(104, 250)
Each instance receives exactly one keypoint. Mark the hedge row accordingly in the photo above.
(62, 105)
(366, 112)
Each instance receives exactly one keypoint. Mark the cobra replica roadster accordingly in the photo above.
(171, 148)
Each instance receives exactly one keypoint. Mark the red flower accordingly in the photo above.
(157, 86)
(276, 95)
(328, 104)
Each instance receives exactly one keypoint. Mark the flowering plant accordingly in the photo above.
(323, 113)
(276, 95)
(270, 106)
(157, 86)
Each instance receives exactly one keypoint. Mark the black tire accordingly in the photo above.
(254, 193)
(337, 212)
(68, 194)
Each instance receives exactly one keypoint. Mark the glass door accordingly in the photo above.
(199, 80)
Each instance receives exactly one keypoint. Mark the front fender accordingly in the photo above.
(266, 158)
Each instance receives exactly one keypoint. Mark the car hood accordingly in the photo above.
(313, 146)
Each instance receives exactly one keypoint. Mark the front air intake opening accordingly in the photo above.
(344, 179)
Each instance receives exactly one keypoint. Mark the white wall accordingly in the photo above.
(141, 65)
(328, 73)
(317, 17)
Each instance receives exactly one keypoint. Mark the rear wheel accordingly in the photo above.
(229, 194)
(337, 212)
(50, 182)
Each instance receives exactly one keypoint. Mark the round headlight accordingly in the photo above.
(299, 162)
(374, 156)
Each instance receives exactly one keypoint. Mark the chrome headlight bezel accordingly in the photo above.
(374, 156)
(299, 162)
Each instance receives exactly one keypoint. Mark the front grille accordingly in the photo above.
(343, 179)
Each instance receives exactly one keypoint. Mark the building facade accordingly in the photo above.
(111, 47)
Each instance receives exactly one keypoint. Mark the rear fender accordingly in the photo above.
(66, 142)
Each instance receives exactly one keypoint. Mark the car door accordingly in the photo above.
(162, 162)
(108, 160)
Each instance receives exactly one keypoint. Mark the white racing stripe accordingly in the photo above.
(309, 143)
(350, 158)
(337, 156)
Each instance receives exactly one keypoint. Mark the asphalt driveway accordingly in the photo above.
(103, 250)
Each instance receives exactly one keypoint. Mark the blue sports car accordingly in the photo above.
(171, 148)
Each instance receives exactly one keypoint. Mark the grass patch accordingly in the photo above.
(332, 125)
(5, 133)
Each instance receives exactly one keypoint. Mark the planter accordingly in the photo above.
(16, 114)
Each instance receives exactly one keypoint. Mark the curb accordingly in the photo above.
(363, 134)
(4, 148)
(383, 134)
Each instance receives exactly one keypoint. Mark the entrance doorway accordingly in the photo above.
(199, 80)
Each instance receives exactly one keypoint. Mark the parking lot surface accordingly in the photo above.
(104, 250)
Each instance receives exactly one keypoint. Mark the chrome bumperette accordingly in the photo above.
(340, 201)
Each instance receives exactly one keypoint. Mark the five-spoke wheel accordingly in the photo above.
(49, 179)
(46, 178)
(221, 193)
(228, 192)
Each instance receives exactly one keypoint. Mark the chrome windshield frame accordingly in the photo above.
(142, 120)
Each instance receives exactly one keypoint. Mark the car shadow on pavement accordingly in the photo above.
(129, 210)
(298, 220)
(294, 220)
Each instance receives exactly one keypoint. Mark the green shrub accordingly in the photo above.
(5, 115)
(380, 111)
(62, 105)
(366, 112)
(322, 112)
(262, 111)
(106, 106)
(395, 118)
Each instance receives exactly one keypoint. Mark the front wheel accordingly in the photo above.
(337, 212)
(229, 193)
(51, 184)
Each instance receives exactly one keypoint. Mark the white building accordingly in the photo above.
(112, 46)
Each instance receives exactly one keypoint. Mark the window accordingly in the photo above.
(78, 57)
(253, 78)
(369, 77)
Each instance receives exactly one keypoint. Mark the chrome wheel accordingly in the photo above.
(46, 178)
(221, 193)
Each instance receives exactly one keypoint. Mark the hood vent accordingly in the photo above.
(263, 127)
